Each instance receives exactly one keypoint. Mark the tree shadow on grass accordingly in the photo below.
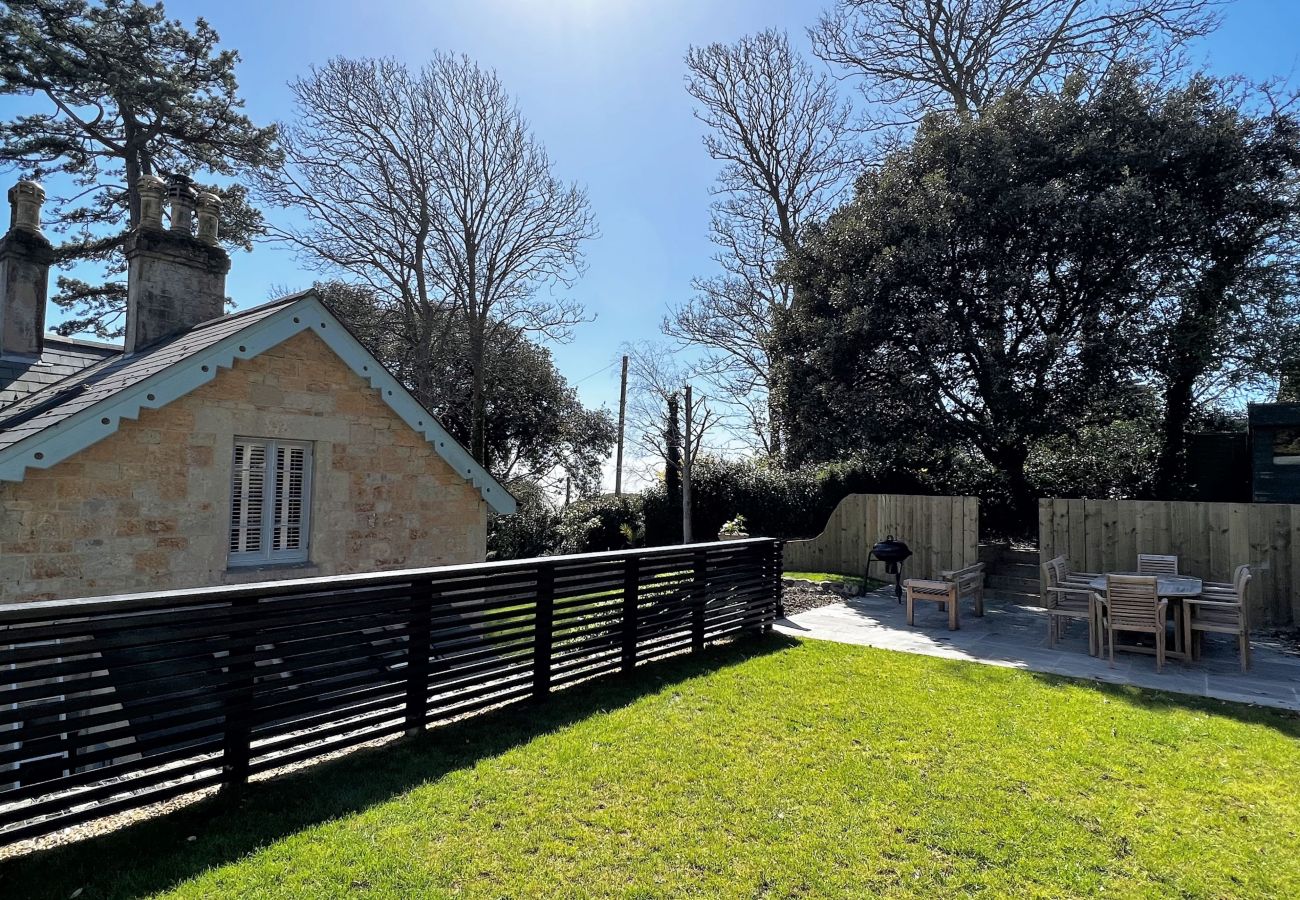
(157, 854)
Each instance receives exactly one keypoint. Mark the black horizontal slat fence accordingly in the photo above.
(116, 703)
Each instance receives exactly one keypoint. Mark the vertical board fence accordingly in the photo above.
(1210, 540)
(111, 704)
(942, 532)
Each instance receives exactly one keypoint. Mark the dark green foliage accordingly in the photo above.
(129, 93)
(533, 530)
(538, 431)
(1288, 388)
(601, 523)
(1010, 280)
(774, 502)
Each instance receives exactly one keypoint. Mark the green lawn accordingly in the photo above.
(867, 584)
(766, 769)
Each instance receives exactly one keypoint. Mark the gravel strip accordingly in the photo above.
(799, 595)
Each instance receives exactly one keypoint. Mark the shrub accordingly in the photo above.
(602, 523)
(533, 530)
(773, 502)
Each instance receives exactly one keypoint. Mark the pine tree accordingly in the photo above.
(121, 91)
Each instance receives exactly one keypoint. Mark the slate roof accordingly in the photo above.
(53, 403)
(60, 357)
(61, 418)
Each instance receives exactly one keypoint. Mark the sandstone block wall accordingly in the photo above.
(148, 508)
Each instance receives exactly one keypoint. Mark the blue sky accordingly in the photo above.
(601, 83)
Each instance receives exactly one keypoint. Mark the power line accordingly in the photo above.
(597, 372)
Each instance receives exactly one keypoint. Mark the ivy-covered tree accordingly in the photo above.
(114, 90)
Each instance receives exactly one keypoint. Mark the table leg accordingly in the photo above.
(1094, 626)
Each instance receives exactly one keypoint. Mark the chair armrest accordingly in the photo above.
(930, 590)
(1214, 604)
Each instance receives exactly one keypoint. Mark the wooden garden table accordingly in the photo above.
(1176, 589)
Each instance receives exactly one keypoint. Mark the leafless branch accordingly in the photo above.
(787, 151)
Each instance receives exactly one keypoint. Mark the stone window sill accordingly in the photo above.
(307, 568)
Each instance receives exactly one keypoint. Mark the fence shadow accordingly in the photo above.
(157, 854)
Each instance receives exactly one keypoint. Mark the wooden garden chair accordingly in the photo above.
(1155, 564)
(941, 592)
(970, 585)
(1221, 609)
(1065, 599)
(1132, 604)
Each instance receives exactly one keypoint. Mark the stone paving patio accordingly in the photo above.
(1016, 636)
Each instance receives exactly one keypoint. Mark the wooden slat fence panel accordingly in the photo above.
(943, 533)
(1210, 539)
(115, 703)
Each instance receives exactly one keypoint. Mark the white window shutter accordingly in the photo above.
(270, 501)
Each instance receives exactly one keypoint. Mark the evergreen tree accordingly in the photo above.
(120, 91)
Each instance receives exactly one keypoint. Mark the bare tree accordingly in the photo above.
(508, 227)
(916, 56)
(429, 187)
(787, 151)
(655, 382)
(359, 172)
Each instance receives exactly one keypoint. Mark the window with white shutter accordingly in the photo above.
(270, 501)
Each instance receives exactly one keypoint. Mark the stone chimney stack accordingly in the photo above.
(25, 257)
(175, 278)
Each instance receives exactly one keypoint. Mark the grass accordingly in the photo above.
(865, 584)
(767, 768)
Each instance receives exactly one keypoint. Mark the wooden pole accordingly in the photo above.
(686, 471)
(622, 419)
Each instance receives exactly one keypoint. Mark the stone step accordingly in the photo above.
(1016, 570)
(1008, 583)
(1016, 597)
(1023, 557)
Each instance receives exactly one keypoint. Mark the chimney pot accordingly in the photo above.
(150, 189)
(25, 200)
(181, 194)
(209, 210)
(175, 279)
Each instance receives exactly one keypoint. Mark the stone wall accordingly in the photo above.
(148, 507)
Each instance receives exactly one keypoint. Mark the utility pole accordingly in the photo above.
(622, 419)
(686, 472)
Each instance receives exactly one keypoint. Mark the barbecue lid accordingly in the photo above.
(891, 550)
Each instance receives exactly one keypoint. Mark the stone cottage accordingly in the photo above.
(209, 448)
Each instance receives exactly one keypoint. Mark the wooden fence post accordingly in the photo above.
(777, 551)
(699, 599)
(543, 628)
(236, 751)
(417, 656)
(631, 599)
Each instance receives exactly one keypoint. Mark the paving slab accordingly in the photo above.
(1015, 636)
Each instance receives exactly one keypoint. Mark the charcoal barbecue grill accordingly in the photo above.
(892, 553)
